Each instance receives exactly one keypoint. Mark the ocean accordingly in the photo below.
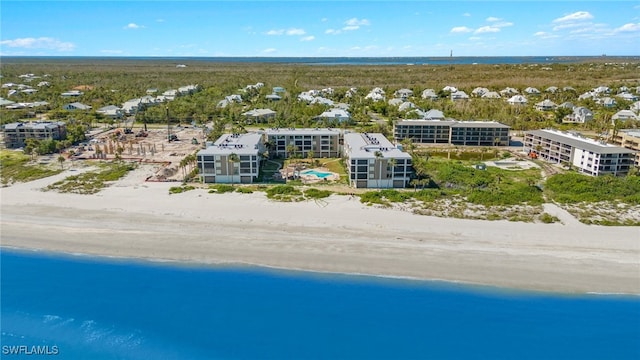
(81, 307)
(416, 60)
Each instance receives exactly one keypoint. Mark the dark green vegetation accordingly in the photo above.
(571, 188)
(180, 189)
(15, 167)
(114, 81)
(491, 186)
(93, 181)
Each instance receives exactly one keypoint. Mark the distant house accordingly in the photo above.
(72, 93)
(635, 107)
(625, 115)
(395, 102)
(407, 105)
(188, 90)
(278, 90)
(449, 88)
(491, 95)
(376, 94)
(152, 91)
(607, 102)
(429, 94)
(259, 115)
(532, 91)
(111, 111)
(567, 105)
(403, 93)
(273, 97)
(479, 91)
(586, 96)
(517, 100)
(628, 96)
(602, 90)
(580, 115)
(338, 115)
(459, 95)
(546, 105)
(551, 89)
(434, 114)
(509, 91)
(76, 106)
(132, 106)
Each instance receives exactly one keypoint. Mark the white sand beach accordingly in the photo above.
(138, 219)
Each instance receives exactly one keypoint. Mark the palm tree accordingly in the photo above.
(379, 156)
(233, 159)
(61, 160)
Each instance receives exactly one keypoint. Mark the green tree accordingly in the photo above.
(61, 160)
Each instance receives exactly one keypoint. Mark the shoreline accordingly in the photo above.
(454, 285)
(137, 220)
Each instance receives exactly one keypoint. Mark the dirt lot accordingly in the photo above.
(152, 148)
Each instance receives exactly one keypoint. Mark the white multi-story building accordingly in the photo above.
(323, 142)
(374, 162)
(471, 133)
(587, 156)
(233, 158)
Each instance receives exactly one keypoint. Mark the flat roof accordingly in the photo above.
(580, 142)
(303, 131)
(34, 125)
(365, 145)
(241, 144)
(454, 123)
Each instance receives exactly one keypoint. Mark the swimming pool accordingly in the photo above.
(320, 174)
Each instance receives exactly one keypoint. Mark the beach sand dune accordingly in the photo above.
(135, 219)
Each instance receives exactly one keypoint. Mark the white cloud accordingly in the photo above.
(493, 19)
(160, 20)
(39, 43)
(133, 26)
(579, 15)
(466, 14)
(269, 51)
(308, 38)
(628, 28)
(487, 29)
(502, 24)
(357, 22)
(324, 19)
(294, 31)
(461, 29)
(332, 32)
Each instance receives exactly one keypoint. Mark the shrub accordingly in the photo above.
(317, 194)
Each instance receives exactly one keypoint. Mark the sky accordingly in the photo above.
(319, 28)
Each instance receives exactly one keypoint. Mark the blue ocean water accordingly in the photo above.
(97, 308)
(414, 60)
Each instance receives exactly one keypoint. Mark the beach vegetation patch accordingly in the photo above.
(16, 167)
(317, 194)
(180, 189)
(284, 193)
(244, 190)
(548, 218)
(221, 188)
(572, 188)
(93, 181)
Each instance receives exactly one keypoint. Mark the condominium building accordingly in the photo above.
(299, 142)
(629, 139)
(233, 158)
(16, 134)
(453, 132)
(374, 162)
(587, 156)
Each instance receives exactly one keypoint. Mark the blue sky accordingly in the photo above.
(319, 28)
